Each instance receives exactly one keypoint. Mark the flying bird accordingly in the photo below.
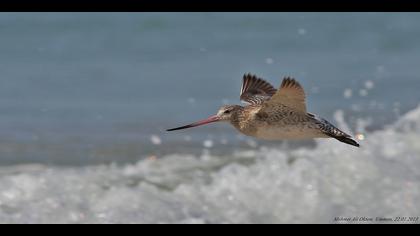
(273, 114)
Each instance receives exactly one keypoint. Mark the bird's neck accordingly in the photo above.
(237, 116)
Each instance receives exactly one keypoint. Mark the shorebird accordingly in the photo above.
(273, 114)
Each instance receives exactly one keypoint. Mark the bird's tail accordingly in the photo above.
(347, 140)
(332, 131)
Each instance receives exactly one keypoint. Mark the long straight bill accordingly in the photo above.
(211, 119)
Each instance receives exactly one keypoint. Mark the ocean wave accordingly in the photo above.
(266, 185)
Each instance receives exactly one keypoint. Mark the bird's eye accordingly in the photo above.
(227, 112)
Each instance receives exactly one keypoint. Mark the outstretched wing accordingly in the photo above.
(290, 94)
(256, 90)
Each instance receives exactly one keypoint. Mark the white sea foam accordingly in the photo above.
(311, 185)
(348, 93)
(155, 140)
(363, 92)
(269, 61)
(208, 143)
(369, 84)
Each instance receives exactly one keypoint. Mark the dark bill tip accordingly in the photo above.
(182, 127)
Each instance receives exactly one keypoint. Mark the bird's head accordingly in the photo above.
(225, 113)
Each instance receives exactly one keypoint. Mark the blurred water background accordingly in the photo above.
(85, 99)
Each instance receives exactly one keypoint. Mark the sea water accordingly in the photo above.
(86, 97)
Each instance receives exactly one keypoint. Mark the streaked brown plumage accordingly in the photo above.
(275, 114)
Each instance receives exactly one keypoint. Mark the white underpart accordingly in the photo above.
(289, 132)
